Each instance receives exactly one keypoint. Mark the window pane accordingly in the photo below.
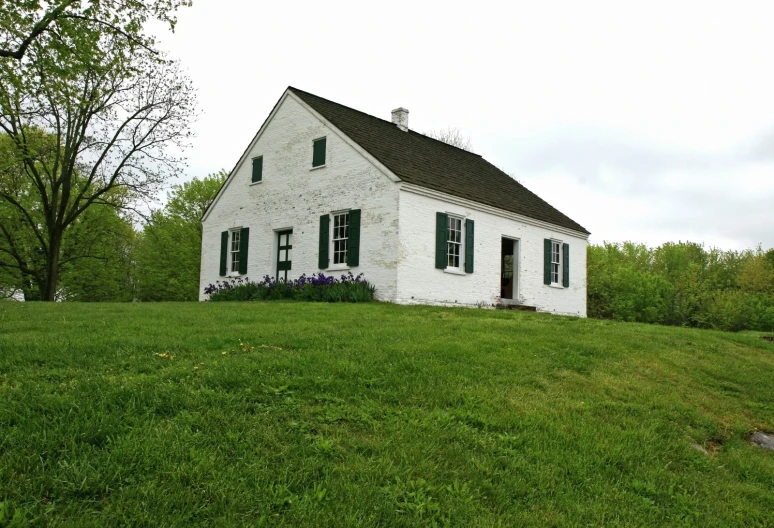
(340, 236)
(454, 239)
(235, 250)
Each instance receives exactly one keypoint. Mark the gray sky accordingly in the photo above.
(649, 121)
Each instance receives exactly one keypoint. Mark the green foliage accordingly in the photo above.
(168, 253)
(99, 266)
(681, 284)
(90, 115)
(318, 288)
(67, 27)
(95, 253)
(348, 415)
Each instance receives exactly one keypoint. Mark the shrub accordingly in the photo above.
(315, 288)
(682, 284)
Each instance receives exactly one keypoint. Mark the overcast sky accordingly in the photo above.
(647, 121)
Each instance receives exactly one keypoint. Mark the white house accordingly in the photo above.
(326, 188)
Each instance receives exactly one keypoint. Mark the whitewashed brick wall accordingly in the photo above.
(420, 282)
(293, 195)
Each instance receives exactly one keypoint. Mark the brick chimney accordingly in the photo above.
(400, 118)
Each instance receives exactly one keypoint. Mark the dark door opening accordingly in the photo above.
(509, 275)
(284, 247)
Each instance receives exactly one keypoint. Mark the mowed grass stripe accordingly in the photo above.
(290, 414)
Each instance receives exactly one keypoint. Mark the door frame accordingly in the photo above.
(279, 248)
(516, 299)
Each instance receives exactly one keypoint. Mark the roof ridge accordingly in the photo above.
(411, 130)
(339, 104)
(436, 164)
(447, 144)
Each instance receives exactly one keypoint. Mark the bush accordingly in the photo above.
(315, 288)
(682, 284)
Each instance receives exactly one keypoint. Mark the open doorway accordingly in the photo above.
(509, 270)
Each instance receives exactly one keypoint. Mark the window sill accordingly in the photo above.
(338, 268)
(318, 167)
(557, 286)
(256, 183)
(454, 271)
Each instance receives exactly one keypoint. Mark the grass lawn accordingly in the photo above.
(290, 414)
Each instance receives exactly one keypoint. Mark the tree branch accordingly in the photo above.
(114, 28)
(37, 29)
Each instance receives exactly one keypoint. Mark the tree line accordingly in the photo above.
(107, 257)
(682, 284)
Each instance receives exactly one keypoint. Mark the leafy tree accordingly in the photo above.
(681, 284)
(55, 24)
(116, 110)
(168, 256)
(756, 274)
(105, 242)
(91, 249)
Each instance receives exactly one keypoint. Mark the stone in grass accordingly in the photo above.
(765, 440)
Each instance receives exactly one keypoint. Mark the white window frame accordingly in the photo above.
(233, 234)
(332, 239)
(556, 262)
(460, 244)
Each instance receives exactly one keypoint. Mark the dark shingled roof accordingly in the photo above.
(427, 162)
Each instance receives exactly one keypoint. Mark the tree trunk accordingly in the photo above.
(52, 271)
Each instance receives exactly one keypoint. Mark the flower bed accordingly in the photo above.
(315, 288)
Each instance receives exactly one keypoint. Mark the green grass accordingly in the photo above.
(376, 415)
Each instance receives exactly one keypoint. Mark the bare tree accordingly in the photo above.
(99, 119)
(453, 136)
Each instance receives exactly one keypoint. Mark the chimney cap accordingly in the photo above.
(400, 118)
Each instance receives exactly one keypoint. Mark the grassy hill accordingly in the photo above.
(222, 414)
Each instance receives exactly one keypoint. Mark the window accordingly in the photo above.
(340, 242)
(318, 152)
(257, 169)
(555, 261)
(340, 237)
(454, 242)
(234, 252)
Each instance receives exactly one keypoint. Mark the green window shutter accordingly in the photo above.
(353, 243)
(566, 265)
(223, 252)
(257, 169)
(244, 238)
(318, 154)
(469, 246)
(325, 221)
(441, 226)
(547, 261)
